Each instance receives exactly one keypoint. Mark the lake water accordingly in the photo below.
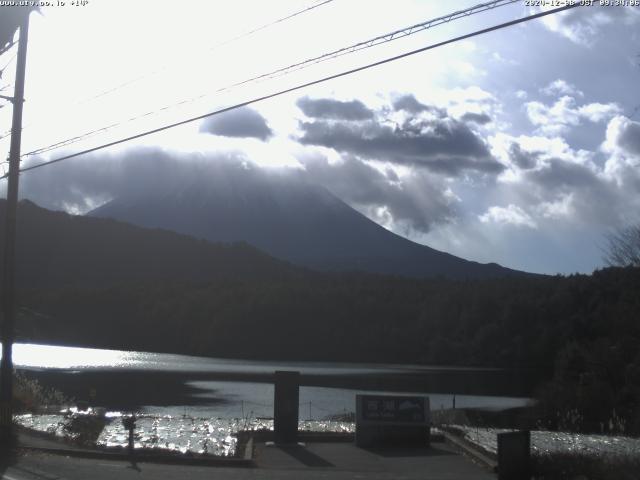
(207, 421)
(237, 399)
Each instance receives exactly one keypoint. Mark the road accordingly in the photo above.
(314, 462)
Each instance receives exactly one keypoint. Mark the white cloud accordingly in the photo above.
(597, 112)
(495, 56)
(561, 87)
(623, 137)
(564, 114)
(560, 208)
(525, 152)
(473, 94)
(622, 144)
(510, 215)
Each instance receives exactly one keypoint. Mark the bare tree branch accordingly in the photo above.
(623, 247)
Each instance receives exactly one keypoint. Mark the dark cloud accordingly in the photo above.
(243, 123)
(594, 199)
(410, 104)
(81, 184)
(479, 118)
(419, 201)
(392, 175)
(561, 174)
(629, 138)
(524, 160)
(334, 109)
(441, 145)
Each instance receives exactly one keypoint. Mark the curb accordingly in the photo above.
(472, 452)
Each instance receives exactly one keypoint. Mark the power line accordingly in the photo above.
(159, 70)
(307, 84)
(388, 37)
(215, 47)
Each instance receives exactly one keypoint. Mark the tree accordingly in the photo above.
(623, 247)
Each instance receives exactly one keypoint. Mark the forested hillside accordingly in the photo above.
(509, 322)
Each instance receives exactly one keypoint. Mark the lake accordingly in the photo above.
(169, 384)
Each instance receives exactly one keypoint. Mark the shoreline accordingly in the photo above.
(127, 389)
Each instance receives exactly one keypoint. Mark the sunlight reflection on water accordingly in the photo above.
(47, 356)
(29, 355)
(214, 436)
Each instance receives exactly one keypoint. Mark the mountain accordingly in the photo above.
(58, 249)
(295, 221)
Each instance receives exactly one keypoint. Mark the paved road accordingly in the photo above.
(337, 461)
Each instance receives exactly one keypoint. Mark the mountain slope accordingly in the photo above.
(298, 222)
(56, 249)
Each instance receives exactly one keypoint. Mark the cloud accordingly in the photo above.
(597, 112)
(629, 138)
(417, 200)
(572, 189)
(523, 159)
(562, 175)
(409, 104)
(623, 136)
(561, 87)
(565, 113)
(334, 109)
(510, 215)
(556, 184)
(622, 144)
(579, 195)
(438, 144)
(519, 152)
(560, 208)
(243, 122)
(582, 25)
(82, 184)
(479, 118)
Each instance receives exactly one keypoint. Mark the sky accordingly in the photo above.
(520, 146)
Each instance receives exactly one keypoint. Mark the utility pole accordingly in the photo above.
(8, 274)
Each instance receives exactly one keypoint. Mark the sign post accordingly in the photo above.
(514, 455)
(285, 406)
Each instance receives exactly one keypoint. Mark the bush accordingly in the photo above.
(30, 396)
